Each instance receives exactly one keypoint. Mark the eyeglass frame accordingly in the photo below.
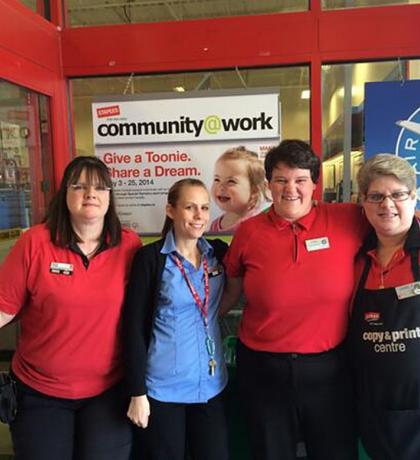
(405, 193)
(78, 188)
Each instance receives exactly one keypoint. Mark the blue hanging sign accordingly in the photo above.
(392, 120)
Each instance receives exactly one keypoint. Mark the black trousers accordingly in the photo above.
(186, 431)
(291, 397)
(48, 428)
(390, 434)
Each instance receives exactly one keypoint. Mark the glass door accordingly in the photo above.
(25, 159)
(26, 173)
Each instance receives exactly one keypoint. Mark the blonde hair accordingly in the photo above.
(255, 170)
(386, 164)
(173, 196)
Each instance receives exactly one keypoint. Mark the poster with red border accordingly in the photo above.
(150, 143)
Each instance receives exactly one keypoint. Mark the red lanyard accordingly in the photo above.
(202, 306)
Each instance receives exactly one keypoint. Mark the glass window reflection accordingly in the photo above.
(342, 119)
(292, 84)
(100, 12)
(340, 4)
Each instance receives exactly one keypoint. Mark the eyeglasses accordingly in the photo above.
(378, 198)
(83, 188)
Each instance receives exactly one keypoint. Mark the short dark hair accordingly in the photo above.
(173, 197)
(58, 216)
(295, 154)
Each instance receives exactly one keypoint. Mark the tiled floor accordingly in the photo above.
(6, 451)
(5, 245)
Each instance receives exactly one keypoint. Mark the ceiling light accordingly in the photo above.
(305, 94)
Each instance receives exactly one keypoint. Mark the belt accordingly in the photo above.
(291, 355)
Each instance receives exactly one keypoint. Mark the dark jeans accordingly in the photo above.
(291, 397)
(49, 428)
(179, 431)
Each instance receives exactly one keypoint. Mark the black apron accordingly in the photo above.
(385, 343)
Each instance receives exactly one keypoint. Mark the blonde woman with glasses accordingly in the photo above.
(385, 325)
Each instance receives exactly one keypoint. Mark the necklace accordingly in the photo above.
(90, 253)
(383, 275)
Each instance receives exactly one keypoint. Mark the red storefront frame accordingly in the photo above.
(30, 56)
(312, 38)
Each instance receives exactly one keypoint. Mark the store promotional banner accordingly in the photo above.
(150, 144)
(392, 120)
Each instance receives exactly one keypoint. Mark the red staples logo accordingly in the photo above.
(110, 111)
(371, 316)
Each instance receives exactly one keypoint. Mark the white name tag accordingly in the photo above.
(61, 268)
(408, 290)
(215, 271)
(317, 244)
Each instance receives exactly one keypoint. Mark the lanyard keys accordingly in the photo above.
(212, 367)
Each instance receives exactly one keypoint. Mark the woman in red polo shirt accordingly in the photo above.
(65, 280)
(385, 325)
(296, 265)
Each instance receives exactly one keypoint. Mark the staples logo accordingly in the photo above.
(372, 316)
(110, 111)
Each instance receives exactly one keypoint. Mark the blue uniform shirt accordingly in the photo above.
(178, 361)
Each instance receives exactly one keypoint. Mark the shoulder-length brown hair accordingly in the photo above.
(58, 216)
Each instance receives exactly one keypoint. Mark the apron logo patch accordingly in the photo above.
(371, 316)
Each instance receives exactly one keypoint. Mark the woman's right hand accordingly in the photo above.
(139, 411)
(5, 318)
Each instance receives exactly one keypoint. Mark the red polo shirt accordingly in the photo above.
(69, 345)
(297, 300)
(396, 273)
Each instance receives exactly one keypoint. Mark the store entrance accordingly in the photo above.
(26, 173)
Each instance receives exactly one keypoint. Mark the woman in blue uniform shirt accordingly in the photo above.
(175, 367)
(385, 325)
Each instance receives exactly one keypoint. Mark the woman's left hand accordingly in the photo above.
(139, 411)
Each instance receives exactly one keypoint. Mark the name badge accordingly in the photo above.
(408, 290)
(317, 244)
(61, 268)
(215, 271)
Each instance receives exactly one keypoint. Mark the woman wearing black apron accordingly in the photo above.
(385, 325)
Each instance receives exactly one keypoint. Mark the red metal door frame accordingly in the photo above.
(314, 37)
(42, 56)
(30, 56)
